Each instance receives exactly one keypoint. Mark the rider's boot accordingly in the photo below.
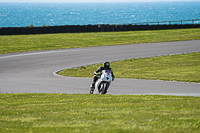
(92, 86)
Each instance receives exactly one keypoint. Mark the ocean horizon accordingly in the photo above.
(55, 14)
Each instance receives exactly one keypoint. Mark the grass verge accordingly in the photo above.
(98, 113)
(184, 67)
(23, 43)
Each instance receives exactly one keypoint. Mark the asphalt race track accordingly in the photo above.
(33, 72)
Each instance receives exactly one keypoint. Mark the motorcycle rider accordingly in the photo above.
(106, 66)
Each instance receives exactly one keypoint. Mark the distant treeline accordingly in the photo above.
(89, 28)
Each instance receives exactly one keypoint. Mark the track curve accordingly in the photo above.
(32, 72)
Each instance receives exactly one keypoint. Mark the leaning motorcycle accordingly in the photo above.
(103, 82)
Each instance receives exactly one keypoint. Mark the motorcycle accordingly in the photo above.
(103, 82)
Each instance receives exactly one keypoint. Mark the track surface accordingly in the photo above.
(32, 72)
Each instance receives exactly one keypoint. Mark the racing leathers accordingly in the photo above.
(99, 70)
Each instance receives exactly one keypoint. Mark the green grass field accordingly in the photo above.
(23, 43)
(184, 67)
(61, 113)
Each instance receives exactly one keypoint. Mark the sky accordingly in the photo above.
(78, 1)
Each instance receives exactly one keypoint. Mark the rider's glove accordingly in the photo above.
(97, 74)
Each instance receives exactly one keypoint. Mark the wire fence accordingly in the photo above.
(193, 21)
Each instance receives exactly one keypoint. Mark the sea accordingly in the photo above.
(55, 14)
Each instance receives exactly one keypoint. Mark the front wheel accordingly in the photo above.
(91, 91)
(103, 88)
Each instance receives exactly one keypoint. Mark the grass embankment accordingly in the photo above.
(183, 67)
(23, 43)
(98, 113)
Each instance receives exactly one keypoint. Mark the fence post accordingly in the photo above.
(60, 29)
(83, 28)
(78, 28)
(3, 31)
(66, 29)
(118, 27)
(130, 27)
(44, 30)
(10, 31)
(89, 28)
(39, 30)
(111, 27)
(56, 29)
(95, 28)
(107, 28)
(102, 28)
(135, 27)
(16, 31)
